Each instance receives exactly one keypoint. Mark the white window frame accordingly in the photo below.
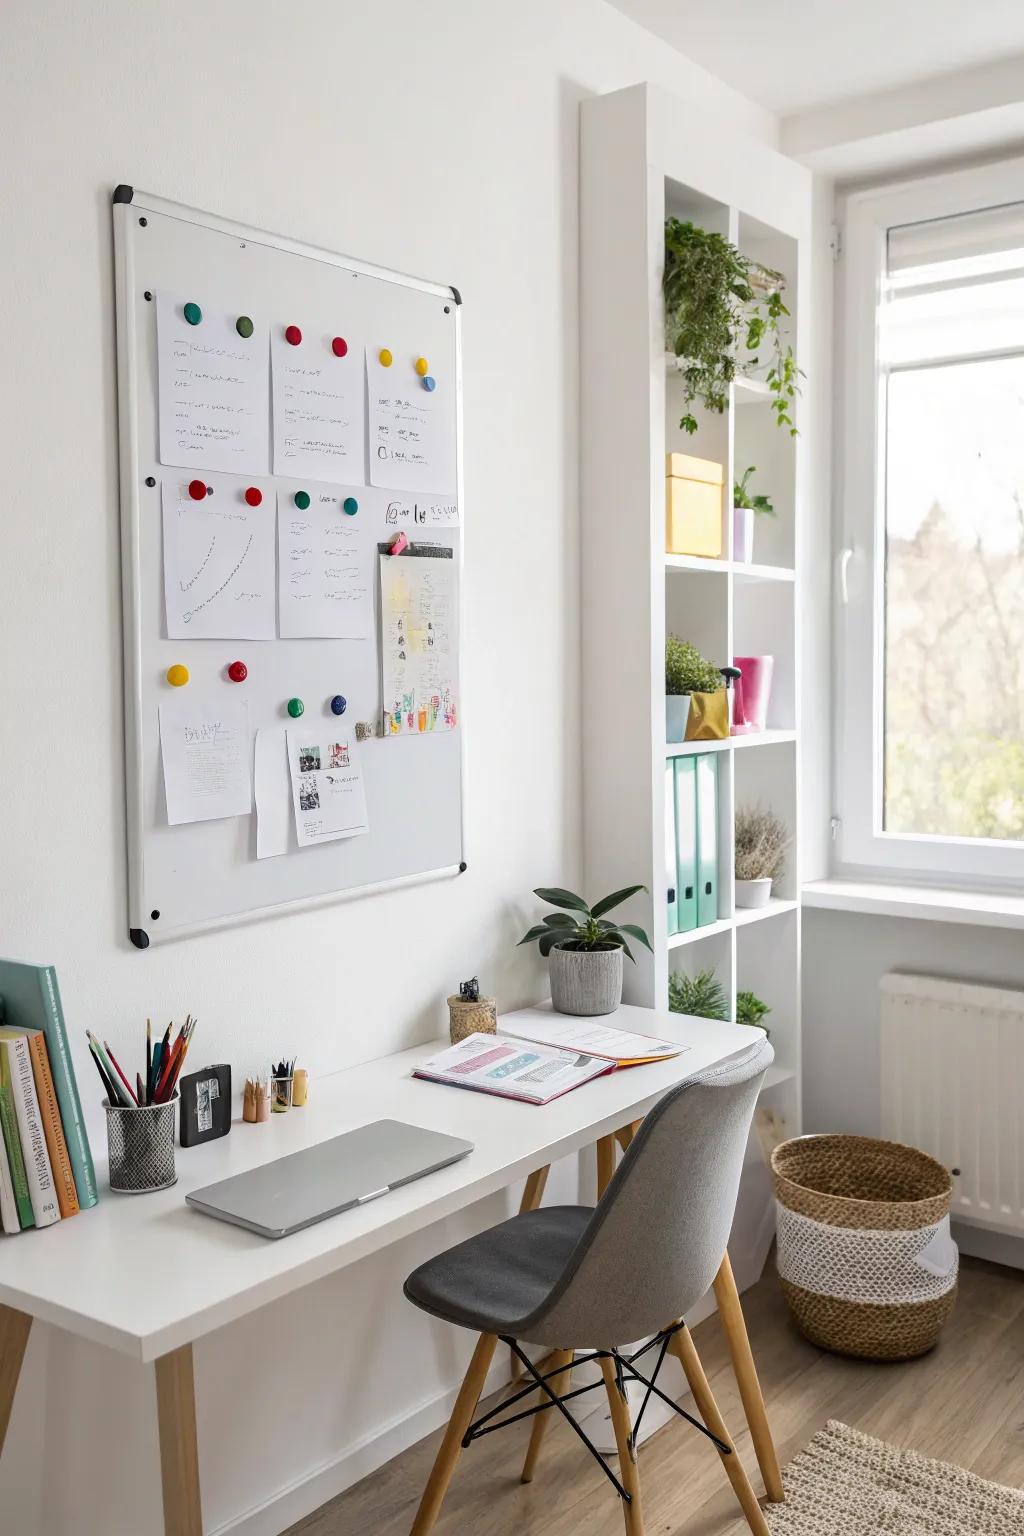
(861, 843)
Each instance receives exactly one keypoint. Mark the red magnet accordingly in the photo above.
(339, 346)
(238, 671)
(293, 335)
(253, 496)
(197, 489)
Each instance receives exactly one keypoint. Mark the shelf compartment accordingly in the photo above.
(709, 931)
(775, 908)
(755, 739)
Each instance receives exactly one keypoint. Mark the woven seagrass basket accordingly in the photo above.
(865, 1258)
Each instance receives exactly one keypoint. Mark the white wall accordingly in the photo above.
(441, 140)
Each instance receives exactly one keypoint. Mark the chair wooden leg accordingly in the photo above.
(451, 1445)
(179, 1454)
(629, 1474)
(605, 1163)
(731, 1313)
(685, 1351)
(558, 1357)
(14, 1331)
(533, 1194)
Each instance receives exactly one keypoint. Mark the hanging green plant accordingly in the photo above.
(722, 310)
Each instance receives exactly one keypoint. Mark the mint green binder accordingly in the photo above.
(672, 911)
(707, 838)
(686, 842)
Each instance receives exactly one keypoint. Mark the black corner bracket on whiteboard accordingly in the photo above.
(456, 295)
(462, 868)
(139, 937)
(123, 193)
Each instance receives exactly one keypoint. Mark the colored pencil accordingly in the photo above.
(179, 1063)
(155, 1073)
(140, 1092)
(119, 1099)
(149, 1061)
(108, 1090)
(117, 1068)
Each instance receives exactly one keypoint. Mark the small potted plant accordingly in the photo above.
(751, 1010)
(745, 511)
(761, 845)
(686, 672)
(701, 996)
(585, 949)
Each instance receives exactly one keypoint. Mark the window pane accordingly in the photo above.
(954, 601)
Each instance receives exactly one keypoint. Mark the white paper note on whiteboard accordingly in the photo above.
(273, 792)
(319, 418)
(219, 564)
(214, 387)
(411, 428)
(325, 572)
(327, 784)
(418, 616)
(206, 757)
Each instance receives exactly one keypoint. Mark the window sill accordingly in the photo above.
(937, 904)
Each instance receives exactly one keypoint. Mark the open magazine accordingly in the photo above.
(513, 1069)
(622, 1046)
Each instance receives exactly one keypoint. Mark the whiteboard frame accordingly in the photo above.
(129, 203)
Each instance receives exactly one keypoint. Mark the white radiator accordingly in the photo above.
(953, 1085)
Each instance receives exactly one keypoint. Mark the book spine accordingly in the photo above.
(49, 1111)
(66, 1088)
(8, 1204)
(30, 1126)
(12, 1143)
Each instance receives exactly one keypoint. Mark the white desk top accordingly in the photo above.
(144, 1274)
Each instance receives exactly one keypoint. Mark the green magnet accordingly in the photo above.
(193, 314)
(301, 500)
(350, 505)
(243, 325)
(295, 708)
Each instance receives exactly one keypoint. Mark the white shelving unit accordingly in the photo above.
(643, 158)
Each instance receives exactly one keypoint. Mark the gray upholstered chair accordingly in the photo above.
(576, 1278)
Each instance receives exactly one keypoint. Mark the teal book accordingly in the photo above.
(31, 1000)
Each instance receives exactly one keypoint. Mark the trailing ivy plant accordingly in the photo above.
(723, 309)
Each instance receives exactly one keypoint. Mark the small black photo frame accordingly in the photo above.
(205, 1105)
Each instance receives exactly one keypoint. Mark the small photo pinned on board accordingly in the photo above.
(337, 755)
(309, 759)
(309, 795)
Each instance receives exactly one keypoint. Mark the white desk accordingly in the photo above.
(94, 1275)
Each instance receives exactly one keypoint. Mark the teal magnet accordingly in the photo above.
(301, 500)
(193, 314)
(295, 708)
(350, 505)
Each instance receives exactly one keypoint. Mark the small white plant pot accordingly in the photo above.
(677, 712)
(743, 519)
(753, 893)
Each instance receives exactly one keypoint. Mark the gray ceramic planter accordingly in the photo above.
(586, 981)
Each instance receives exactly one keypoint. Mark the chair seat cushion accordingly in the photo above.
(497, 1281)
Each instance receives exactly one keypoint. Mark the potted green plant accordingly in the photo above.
(686, 672)
(746, 509)
(722, 309)
(751, 1010)
(585, 949)
(701, 996)
(762, 841)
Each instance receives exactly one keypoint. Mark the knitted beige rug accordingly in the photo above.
(847, 1484)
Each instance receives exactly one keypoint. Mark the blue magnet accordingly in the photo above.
(429, 382)
(339, 704)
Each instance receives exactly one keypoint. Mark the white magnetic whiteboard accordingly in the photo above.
(182, 879)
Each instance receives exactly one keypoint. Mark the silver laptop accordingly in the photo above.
(308, 1186)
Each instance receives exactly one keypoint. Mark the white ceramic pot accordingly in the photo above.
(753, 893)
(743, 519)
(586, 981)
(677, 712)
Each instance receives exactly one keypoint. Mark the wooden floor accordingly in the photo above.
(963, 1403)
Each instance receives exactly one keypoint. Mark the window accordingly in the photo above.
(930, 718)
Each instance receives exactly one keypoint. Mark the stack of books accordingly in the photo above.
(46, 1168)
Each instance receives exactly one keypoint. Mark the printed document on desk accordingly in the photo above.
(533, 1074)
(622, 1046)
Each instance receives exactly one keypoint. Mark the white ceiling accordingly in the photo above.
(793, 54)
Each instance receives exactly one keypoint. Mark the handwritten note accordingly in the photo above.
(325, 568)
(411, 429)
(219, 567)
(214, 387)
(421, 512)
(418, 643)
(327, 784)
(319, 417)
(206, 757)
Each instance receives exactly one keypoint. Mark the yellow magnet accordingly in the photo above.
(422, 366)
(177, 675)
(384, 358)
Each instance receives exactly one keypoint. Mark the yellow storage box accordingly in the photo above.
(693, 506)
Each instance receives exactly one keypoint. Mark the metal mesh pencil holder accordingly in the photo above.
(140, 1147)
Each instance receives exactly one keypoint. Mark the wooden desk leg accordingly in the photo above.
(179, 1454)
(451, 1445)
(685, 1351)
(731, 1313)
(605, 1163)
(14, 1331)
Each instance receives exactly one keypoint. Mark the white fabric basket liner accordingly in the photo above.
(884, 1268)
